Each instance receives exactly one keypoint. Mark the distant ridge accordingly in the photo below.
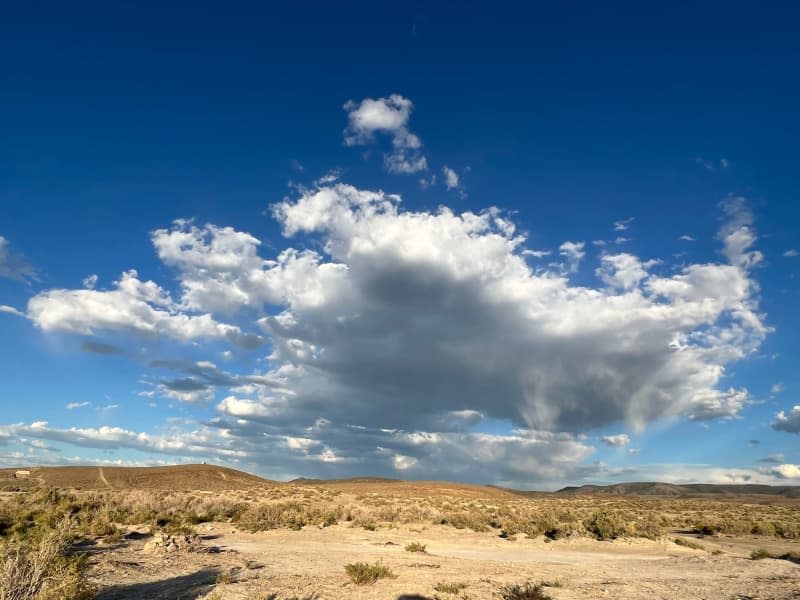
(653, 488)
(173, 477)
(312, 481)
(204, 477)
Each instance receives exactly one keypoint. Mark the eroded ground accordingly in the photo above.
(285, 541)
(311, 561)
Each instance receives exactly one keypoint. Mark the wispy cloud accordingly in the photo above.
(623, 224)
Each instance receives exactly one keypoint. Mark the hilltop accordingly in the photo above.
(173, 477)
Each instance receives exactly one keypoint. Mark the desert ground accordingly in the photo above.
(203, 532)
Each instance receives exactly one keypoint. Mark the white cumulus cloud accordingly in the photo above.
(788, 422)
(616, 441)
(450, 178)
(388, 116)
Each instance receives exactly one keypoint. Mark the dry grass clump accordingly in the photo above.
(215, 595)
(291, 515)
(450, 588)
(761, 554)
(608, 525)
(416, 547)
(41, 570)
(106, 514)
(689, 543)
(525, 591)
(364, 574)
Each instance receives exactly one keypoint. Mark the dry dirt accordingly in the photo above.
(311, 561)
(227, 562)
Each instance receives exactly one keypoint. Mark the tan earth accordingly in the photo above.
(308, 562)
(220, 560)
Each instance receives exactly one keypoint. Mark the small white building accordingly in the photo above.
(22, 475)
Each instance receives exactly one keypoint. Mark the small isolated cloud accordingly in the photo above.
(450, 178)
(687, 238)
(788, 422)
(777, 388)
(623, 224)
(100, 348)
(74, 405)
(634, 451)
(90, 282)
(737, 233)
(616, 441)
(721, 164)
(14, 265)
(791, 253)
(388, 116)
(426, 182)
(573, 252)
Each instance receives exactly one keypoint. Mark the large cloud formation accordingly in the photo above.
(404, 330)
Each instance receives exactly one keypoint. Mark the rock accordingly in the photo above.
(169, 543)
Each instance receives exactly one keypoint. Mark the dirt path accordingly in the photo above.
(103, 477)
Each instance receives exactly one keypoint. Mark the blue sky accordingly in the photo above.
(527, 246)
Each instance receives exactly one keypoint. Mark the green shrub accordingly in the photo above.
(607, 526)
(416, 547)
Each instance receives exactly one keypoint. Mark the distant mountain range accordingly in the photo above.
(212, 477)
(653, 488)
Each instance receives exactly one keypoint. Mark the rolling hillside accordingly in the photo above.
(174, 477)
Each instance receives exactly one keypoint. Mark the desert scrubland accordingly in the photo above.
(210, 533)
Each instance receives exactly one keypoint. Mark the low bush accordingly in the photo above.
(689, 544)
(607, 526)
(450, 588)
(525, 591)
(416, 547)
(41, 570)
(364, 574)
(761, 554)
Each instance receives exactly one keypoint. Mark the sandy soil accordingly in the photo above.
(311, 561)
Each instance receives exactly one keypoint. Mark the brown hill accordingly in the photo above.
(174, 477)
